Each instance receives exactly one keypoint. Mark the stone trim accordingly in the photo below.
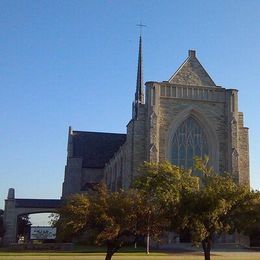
(214, 94)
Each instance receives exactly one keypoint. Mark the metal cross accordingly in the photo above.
(140, 25)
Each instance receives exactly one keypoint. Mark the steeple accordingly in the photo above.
(139, 93)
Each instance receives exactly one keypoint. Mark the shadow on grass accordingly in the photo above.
(132, 251)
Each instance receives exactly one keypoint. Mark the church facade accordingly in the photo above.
(174, 120)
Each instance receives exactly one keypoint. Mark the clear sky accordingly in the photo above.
(74, 63)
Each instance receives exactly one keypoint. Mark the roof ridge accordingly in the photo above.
(94, 132)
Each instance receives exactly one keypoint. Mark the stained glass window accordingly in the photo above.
(188, 141)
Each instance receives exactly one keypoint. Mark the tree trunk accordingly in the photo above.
(109, 255)
(111, 249)
(206, 245)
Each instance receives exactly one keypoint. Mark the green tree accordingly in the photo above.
(162, 183)
(23, 225)
(163, 197)
(219, 206)
(205, 207)
(115, 219)
(161, 186)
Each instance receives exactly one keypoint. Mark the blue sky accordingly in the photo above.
(74, 63)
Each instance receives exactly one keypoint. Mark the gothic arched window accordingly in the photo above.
(188, 141)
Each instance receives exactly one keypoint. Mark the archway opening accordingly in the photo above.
(36, 228)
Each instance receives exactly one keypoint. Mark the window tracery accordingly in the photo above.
(188, 141)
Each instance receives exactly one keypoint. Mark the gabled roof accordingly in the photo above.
(191, 72)
(95, 148)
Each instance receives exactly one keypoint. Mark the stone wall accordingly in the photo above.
(91, 175)
(209, 115)
(243, 152)
(123, 167)
(215, 108)
(72, 178)
(170, 108)
(114, 176)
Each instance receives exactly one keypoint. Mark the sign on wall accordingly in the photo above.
(41, 233)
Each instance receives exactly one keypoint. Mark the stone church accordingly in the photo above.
(174, 120)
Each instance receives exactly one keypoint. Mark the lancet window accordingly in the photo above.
(188, 141)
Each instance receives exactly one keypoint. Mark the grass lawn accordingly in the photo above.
(129, 253)
(130, 256)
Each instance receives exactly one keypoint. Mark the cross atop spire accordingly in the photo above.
(140, 25)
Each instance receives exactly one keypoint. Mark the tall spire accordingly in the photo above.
(139, 94)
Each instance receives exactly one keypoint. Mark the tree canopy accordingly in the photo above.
(219, 206)
(205, 207)
(164, 197)
(115, 219)
(162, 185)
(23, 226)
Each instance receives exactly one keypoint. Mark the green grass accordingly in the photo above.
(130, 256)
(130, 253)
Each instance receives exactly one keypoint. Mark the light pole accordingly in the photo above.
(148, 234)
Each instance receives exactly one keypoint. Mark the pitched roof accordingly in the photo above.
(95, 148)
(191, 72)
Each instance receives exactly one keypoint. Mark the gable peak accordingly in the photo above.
(191, 72)
(192, 53)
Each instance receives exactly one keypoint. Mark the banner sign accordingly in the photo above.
(41, 233)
